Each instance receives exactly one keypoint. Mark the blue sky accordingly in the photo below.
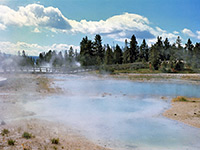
(36, 26)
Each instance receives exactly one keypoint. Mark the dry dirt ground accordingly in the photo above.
(187, 112)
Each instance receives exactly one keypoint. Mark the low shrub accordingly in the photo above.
(180, 99)
(4, 132)
(55, 148)
(27, 135)
(55, 141)
(11, 142)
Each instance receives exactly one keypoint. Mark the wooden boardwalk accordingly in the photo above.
(46, 70)
(71, 70)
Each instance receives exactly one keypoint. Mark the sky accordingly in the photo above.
(38, 26)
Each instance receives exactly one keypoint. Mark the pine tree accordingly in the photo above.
(98, 50)
(144, 51)
(180, 55)
(166, 49)
(76, 56)
(178, 42)
(131, 54)
(196, 56)
(160, 48)
(189, 49)
(118, 55)
(86, 53)
(60, 59)
(156, 54)
(133, 51)
(172, 60)
(40, 59)
(109, 56)
(155, 57)
(66, 58)
(125, 54)
(23, 54)
(48, 56)
(54, 59)
(25, 60)
(71, 55)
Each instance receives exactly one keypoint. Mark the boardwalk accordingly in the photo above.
(72, 70)
(46, 70)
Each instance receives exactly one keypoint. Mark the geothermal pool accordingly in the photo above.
(120, 114)
(2, 80)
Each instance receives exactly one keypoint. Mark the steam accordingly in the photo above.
(52, 61)
(116, 111)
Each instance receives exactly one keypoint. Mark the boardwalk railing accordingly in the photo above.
(47, 70)
(71, 70)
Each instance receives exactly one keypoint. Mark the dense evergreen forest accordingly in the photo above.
(159, 56)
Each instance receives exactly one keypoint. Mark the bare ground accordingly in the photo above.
(159, 77)
(187, 112)
(42, 134)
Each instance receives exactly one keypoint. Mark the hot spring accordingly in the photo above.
(120, 114)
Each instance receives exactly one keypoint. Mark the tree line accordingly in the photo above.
(50, 58)
(14, 61)
(68, 59)
(160, 55)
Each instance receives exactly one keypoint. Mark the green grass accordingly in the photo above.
(27, 135)
(11, 142)
(55, 141)
(5, 132)
(140, 71)
(180, 99)
(55, 148)
(183, 99)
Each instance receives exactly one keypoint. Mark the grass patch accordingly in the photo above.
(140, 71)
(27, 135)
(192, 78)
(45, 85)
(55, 141)
(180, 99)
(11, 142)
(5, 132)
(55, 148)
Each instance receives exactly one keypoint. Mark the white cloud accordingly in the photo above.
(13, 48)
(114, 24)
(36, 30)
(2, 27)
(198, 35)
(32, 49)
(63, 47)
(121, 27)
(176, 32)
(33, 15)
(188, 32)
(162, 33)
(151, 41)
(160, 30)
(118, 27)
